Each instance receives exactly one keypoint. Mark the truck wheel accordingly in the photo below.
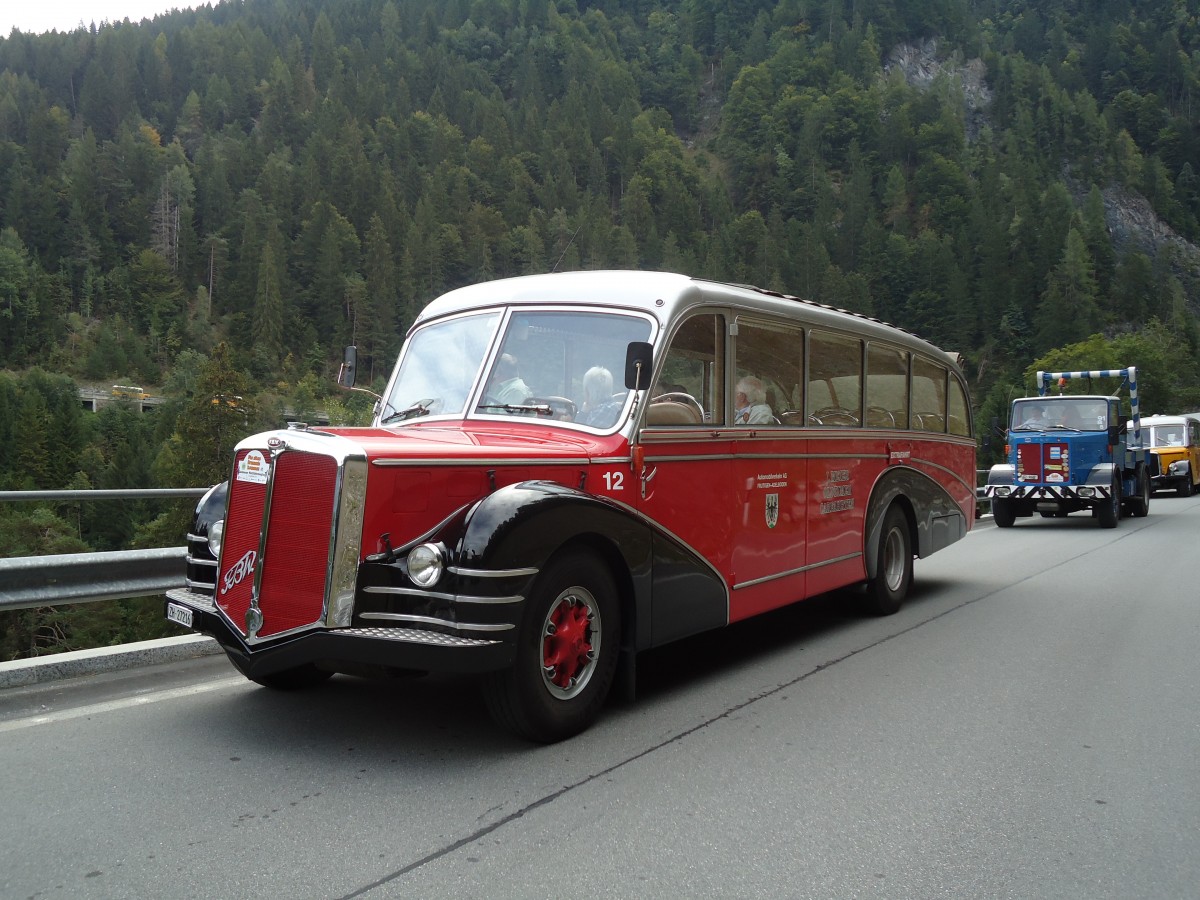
(1110, 513)
(1003, 513)
(1139, 506)
(566, 653)
(893, 566)
(296, 679)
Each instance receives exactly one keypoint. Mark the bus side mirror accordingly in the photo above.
(348, 368)
(639, 360)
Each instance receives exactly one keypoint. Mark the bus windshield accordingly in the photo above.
(438, 368)
(564, 365)
(556, 365)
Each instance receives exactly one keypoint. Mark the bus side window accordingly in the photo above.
(834, 380)
(887, 387)
(769, 359)
(691, 386)
(928, 396)
(959, 419)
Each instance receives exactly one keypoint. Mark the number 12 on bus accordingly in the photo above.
(567, 469)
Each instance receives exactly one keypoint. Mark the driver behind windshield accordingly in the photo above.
(510, 389)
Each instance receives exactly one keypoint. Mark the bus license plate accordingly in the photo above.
(180, 614)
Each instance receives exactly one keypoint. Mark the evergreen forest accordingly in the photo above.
(211, 204)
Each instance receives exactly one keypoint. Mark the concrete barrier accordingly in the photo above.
(56, 666)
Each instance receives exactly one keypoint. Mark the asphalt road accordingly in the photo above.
(1026, 726)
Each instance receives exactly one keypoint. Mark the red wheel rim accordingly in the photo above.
(570, 642)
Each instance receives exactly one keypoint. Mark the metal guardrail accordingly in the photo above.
(32, 581)
(27, 582)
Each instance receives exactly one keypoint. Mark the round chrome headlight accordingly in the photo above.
(425, 565)
(215, 532)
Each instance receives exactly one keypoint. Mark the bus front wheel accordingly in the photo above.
(566, 653)
(893, 566)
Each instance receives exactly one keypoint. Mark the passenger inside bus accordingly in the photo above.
(600, 405)
(750, 403)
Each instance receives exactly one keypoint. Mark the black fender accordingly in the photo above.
(1101, 474)
(667, 591)
(934, 518)
(210, 508)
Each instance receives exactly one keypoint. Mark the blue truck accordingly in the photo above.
(1067, 453)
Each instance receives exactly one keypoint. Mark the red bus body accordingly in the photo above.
(556, 549)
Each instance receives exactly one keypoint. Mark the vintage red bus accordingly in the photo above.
(567, 469)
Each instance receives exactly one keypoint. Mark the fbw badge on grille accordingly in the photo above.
(772, 510)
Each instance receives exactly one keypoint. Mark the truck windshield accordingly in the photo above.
(438, 368)
(1059, 414)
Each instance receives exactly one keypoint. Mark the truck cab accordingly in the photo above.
(1069, 453)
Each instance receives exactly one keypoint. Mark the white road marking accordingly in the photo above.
(124, 703)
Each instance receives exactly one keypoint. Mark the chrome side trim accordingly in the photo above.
(413, 636)
(437, 595)
(808, 568)
(431, 620)
(491, 573)
(481, 461)
(211, 585)
(192, 561)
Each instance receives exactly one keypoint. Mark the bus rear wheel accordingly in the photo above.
(566, 653)
(893, 566)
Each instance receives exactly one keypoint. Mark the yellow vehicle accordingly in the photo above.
(1174, 441)
(129, 392)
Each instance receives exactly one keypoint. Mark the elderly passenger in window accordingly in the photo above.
(750, 403)
(600, 407)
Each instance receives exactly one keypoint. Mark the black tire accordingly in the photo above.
(1186, 488)
(1003, 513)
(566, 653)
(893, 566)
(297, 679)
(1110, 513)
(1139, 506)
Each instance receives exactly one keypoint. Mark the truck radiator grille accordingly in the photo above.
(295, 560)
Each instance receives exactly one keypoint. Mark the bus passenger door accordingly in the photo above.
(683, 482)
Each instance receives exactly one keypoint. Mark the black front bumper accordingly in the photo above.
(343, 648)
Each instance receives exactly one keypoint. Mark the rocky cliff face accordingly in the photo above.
(1131, 220)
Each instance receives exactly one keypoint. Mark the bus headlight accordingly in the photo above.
(425, 565)
(216, 531)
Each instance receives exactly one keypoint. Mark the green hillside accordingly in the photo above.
(216, 201)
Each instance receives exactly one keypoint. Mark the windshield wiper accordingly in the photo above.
(542, 409)
(417, 409)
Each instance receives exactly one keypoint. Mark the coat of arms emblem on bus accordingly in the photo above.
(772, 511)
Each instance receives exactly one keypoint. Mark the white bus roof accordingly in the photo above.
(665, 296)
